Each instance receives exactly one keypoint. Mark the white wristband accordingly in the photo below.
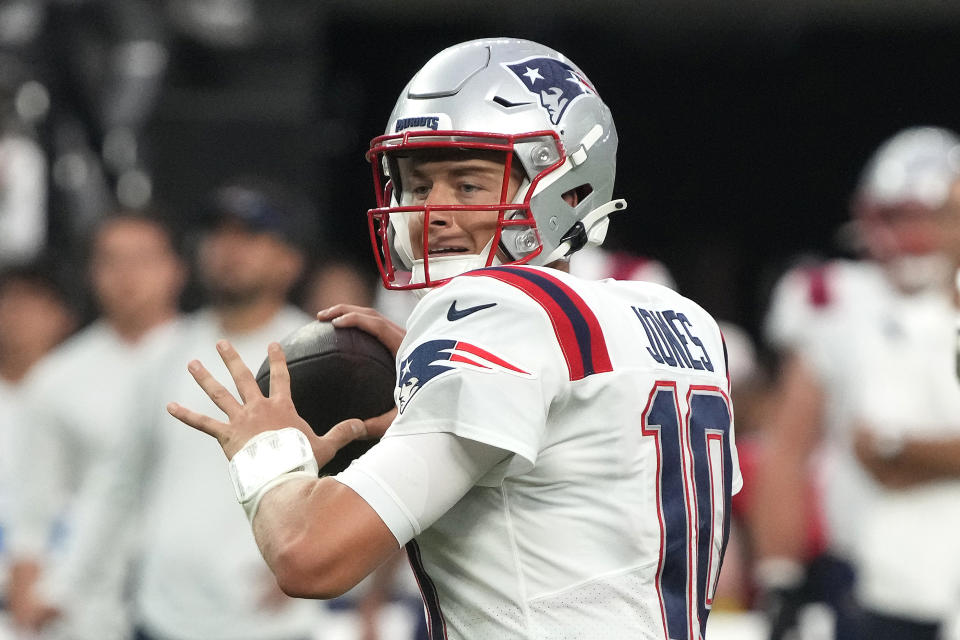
(268, 459)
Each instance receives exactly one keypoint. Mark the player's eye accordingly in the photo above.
(473, 188)
(420, 192)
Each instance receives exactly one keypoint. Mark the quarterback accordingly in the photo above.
(561, 458)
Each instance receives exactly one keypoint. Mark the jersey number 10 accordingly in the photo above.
(694, 471)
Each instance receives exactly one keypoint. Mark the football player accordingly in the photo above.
(867, 383)
(562, 458)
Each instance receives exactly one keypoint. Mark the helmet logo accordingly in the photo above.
(419, 122)
(556, 83)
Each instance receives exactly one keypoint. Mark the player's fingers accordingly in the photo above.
(339, 436)
(239, 371)
(337, 310)
(377, 425)
(216, 391)
(279, 375)
(387, 332)
(197, 420)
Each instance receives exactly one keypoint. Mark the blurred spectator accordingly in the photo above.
(201, 575)
(867, 371)
(34, 317)
(338, 281)
(72, 530)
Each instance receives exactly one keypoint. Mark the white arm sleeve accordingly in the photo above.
(412, 480)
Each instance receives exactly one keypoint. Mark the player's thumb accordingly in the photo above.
(377, 425)
(337, 437)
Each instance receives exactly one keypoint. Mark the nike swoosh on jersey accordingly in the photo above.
(456, 314)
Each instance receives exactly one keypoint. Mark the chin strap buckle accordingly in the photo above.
(592, 229)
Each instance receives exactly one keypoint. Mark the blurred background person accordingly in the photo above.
(336, 280)
(864, 371)
(35, 316)
(200, 574)
(71, 531)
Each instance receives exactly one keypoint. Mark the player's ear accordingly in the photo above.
(575, 195)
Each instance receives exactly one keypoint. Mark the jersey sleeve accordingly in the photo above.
(480, 361)
(410, 481)
(789, 310)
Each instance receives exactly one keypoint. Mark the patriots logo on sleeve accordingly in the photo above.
(435, 357)
(556, 83)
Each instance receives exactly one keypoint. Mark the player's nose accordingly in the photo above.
(441, 193)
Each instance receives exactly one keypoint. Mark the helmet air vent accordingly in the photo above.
(503, 102)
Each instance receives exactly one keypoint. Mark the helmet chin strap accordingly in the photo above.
(592, 231)
(594, 226)
(444, 267)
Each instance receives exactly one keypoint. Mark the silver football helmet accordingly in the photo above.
(512, 96)
(917, 165)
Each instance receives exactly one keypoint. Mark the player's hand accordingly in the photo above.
(255, 413)
(885, 467)
(780, 595)
(374, 427)
(366, 319)
(781, 608)
(27, 609)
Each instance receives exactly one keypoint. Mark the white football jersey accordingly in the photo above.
(885, 361)
(610, 516)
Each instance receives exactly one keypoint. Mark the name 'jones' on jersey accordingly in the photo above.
(672, 340)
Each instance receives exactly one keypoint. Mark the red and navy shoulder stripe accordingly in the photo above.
(574, 323)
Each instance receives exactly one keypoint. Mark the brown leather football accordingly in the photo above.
(335, 374)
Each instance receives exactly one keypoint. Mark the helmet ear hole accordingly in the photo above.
(575, 196)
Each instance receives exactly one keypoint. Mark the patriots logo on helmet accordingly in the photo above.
(435, 357)
(556, 83)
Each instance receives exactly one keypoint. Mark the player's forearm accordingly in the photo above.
(779, 514)
(312, 545)
(925, 460)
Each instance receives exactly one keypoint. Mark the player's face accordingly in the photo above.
(908, 230)
(134, 271)
(918, 247)
(456, 181)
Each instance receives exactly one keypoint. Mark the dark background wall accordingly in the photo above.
(742, 127)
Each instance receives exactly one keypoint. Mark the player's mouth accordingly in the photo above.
(446, 251)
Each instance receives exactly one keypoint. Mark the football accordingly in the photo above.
(335, 374)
